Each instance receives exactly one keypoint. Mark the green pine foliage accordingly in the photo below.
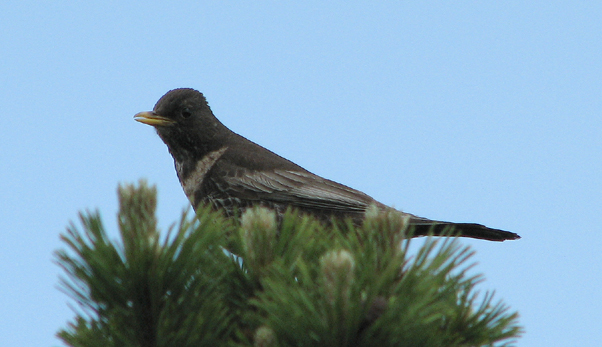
(292, 282)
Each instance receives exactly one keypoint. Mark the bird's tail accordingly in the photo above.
(423, 226)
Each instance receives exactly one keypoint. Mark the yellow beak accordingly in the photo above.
(151, 118)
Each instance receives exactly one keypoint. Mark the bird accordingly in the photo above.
(223, 169)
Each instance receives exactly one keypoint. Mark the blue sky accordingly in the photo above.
(481, 112)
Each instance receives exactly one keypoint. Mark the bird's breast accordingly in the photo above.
(192, 180)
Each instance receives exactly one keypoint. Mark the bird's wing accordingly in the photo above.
(306, 190)
(297, 188)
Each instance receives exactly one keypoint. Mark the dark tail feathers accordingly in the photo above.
(473, 230)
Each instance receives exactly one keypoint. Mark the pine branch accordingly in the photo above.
(294, 283)
(145, 292)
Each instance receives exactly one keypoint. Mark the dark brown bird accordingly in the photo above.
(220, 167)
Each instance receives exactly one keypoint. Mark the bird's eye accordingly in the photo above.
(186, 113)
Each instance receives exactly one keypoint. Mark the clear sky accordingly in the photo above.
(464, 111)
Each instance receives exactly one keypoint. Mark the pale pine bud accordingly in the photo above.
(258, 217)
(265, 337)
(338, 273)
(136, 216)
(258, 231)
(372, 212)
(388, 226)
(392, 219)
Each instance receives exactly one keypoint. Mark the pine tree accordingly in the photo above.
(212, 281)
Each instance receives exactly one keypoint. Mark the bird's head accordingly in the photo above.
(184, 121)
